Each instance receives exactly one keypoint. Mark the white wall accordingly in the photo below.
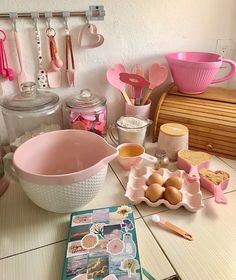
(135, 31)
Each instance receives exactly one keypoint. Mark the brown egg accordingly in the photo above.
(174, 181)
(154, 192)
(155, 178)
(173, 195)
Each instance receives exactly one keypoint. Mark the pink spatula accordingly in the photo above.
(157, 75)
(114, 79)
(137, 82)
(138, 70)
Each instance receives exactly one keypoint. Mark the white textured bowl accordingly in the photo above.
(64, 198)
(63, 170)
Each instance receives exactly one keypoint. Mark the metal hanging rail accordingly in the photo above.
(94, 13)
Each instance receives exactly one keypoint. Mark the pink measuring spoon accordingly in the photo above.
(114, 79)
(137, 82)
(157, 75)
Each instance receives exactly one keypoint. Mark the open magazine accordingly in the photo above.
(102, 244)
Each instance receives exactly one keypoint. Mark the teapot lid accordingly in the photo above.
(85, 100)
(30, 99)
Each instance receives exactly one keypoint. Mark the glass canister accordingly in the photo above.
(31, 112)
(86, 111)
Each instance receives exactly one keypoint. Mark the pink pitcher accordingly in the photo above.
(193, 72)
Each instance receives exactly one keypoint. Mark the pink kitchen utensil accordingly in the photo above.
(55, 65)
(5, 71)
(88, 37)
(137, 82)
(216, 187)
(42, 79)
(165, 224)
(22, 75)
(131, 154)
(138, 70)
(113, 77)
(192, 161)
(193, 72)
(70, 68)
(157, 75)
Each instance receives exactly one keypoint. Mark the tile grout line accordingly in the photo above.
(226, 163)
(161, 247)
(142, 217)
(33, 249)
(123, 187)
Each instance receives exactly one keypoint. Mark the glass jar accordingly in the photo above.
(162, 159)
(30, 112)
(86, 111)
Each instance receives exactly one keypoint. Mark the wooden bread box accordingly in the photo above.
(209, 116)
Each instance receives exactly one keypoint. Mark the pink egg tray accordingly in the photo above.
(136, 186)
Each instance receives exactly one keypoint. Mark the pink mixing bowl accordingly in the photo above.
(62, 170)
(193, 72)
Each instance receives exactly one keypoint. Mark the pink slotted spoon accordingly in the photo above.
(113, 77)
(157, 75)
(138, 82)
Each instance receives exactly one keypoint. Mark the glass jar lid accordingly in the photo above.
(30, 99)
(85, 100)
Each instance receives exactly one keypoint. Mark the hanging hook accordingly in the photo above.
(48, 17)
(50, 31)
(65, 16)
(13, 17)
(35, 17)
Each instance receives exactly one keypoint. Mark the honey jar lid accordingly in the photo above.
(174, 129)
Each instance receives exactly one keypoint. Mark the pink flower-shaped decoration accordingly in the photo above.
(115, 246)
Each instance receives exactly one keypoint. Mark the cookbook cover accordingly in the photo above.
(102, 244)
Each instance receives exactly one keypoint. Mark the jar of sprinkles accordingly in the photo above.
(86, 111)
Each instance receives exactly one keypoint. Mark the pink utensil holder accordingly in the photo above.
(193, 72)
(141, 110)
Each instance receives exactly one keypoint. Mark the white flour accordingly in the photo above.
(131, 122)
(132, 130)
(29, 134)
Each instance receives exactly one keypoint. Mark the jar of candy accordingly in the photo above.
(86, 111)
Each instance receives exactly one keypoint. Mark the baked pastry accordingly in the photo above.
(216, 177)
(194, 157)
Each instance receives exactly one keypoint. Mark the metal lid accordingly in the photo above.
(160, 153)
(85, 100)
(29, 99)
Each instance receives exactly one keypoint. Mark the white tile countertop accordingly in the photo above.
(32, 240)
